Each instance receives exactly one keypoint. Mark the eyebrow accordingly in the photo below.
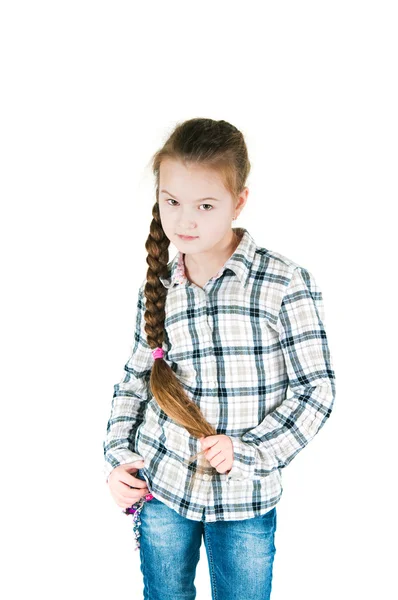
(199, 199)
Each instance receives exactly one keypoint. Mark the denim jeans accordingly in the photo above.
(240, 554)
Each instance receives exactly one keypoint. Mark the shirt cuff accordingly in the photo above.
(118, 457)
(244, 461)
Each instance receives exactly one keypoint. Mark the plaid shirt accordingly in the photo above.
(255, 330)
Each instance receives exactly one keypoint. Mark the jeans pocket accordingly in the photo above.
(270, 515)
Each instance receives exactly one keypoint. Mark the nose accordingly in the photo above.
(186, 229)
(186, 223)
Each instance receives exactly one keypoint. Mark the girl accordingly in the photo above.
(201, 425)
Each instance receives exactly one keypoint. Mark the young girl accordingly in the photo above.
(201, 425)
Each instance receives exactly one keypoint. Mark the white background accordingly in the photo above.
(90, 90)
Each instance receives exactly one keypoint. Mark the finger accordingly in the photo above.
(134, 497)
(221, 471)
(131, 497)
(212, 453)
(135, 483)
(122, 486)
(133, 466)
(210, 443)
(124, 504)
(132, 480)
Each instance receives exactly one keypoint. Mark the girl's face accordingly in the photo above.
(194, 202)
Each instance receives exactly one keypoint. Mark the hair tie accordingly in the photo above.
(158, 353)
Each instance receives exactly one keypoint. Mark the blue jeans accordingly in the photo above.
(240, 554)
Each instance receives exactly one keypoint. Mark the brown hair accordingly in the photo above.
(220, 146)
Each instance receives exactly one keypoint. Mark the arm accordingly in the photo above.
(274, 442)
(129, 399)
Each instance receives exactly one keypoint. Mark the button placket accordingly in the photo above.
(213, 373)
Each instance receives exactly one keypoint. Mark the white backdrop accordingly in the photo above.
(90, 90)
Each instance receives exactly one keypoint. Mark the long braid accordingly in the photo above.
(165, 386)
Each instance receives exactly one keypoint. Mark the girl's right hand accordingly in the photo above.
(122, 484)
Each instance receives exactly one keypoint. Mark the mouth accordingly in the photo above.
(186, 238)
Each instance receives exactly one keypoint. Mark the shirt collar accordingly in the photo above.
(240, 262)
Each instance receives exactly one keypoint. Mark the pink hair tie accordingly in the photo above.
(158, 353)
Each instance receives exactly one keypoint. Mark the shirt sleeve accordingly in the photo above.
(129, 399)
(286, 430)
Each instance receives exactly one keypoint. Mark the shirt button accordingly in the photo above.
(206, 477)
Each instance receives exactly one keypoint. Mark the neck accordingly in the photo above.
(203, 262)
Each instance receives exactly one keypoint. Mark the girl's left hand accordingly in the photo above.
(219, 451)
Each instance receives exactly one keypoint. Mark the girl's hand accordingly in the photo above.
(219, 451)
(125, 488)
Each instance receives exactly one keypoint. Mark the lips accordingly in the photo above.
(187, 237)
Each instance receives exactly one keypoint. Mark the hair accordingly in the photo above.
(219, 146)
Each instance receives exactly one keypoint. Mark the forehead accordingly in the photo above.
(180, 176)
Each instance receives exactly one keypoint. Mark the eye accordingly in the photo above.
(173, 200)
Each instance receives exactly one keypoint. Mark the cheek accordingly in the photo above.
(162, 211)
(219, 219)
(165, 217)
